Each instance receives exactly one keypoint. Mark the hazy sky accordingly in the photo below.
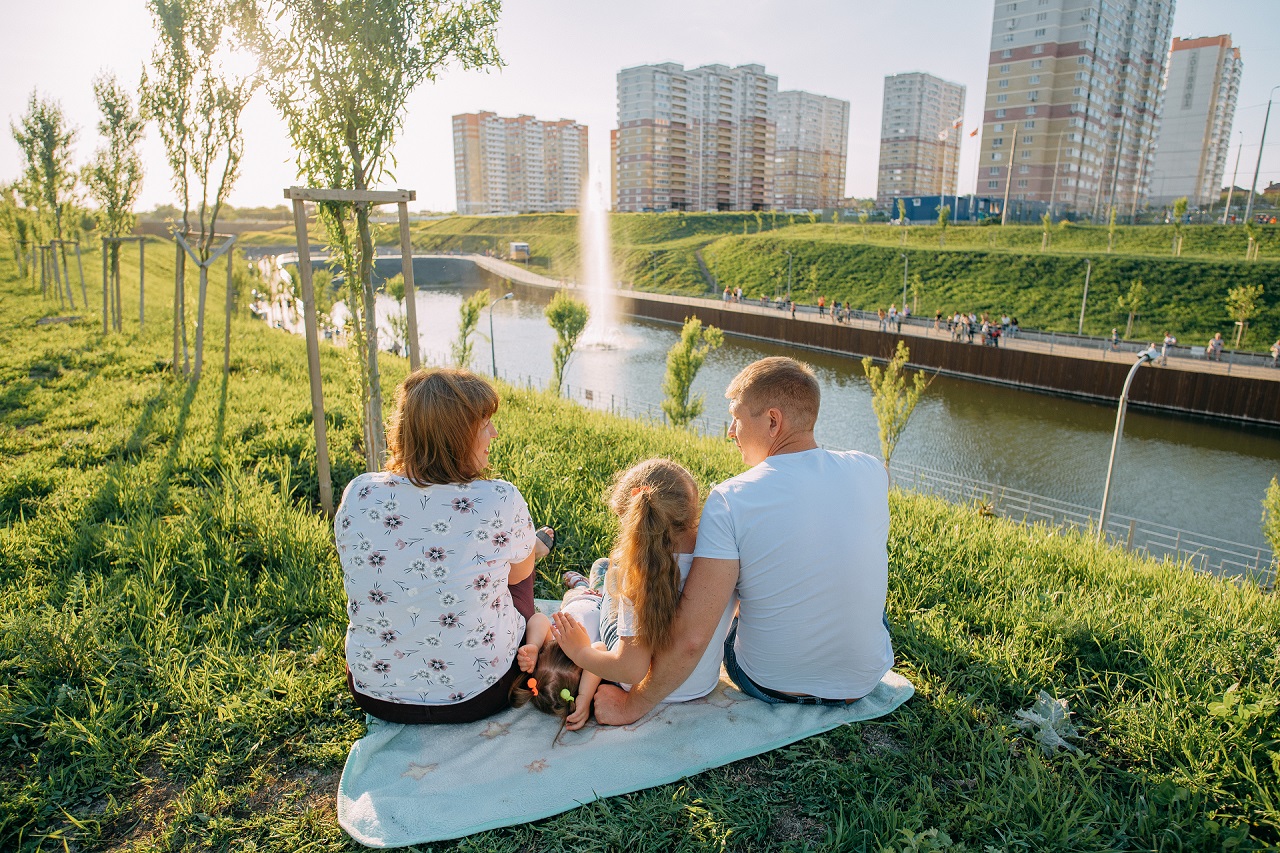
(562, 57)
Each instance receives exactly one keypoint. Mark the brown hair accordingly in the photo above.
(433, 430)
(654, 501)
(554, 672)
(782, 383)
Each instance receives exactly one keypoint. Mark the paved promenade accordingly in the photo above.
(1067, 346)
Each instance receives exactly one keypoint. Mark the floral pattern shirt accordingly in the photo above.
(431, 620)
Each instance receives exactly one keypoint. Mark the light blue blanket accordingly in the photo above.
(417, 784)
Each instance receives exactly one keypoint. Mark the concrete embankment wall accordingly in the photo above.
(1209, 394)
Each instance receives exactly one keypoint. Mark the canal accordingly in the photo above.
(1202, 476)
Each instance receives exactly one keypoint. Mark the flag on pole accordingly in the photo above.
(959, 121)
(974, 132)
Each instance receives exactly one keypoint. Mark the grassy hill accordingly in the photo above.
(171, 625)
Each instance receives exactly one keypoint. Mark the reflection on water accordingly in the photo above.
(1196, 475)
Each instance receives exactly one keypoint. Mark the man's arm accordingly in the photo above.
(706, 594)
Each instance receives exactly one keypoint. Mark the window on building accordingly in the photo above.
(1008, 39)
(1034, 79)
(1043, 16)
(1022, 184)
(1024, 170)
(999, 128)
(1028, 124)
(1004, 84)
(997, 142)
(993, 170)
(1001, 99)
(1077, 91)
(1038, 48)
(1004, 69)
(1026, 155)
(1033, 95)
(996, 155)
(1006, 53)
(991, 185)
(1026, 140)
(999, 113)
(1011, 7)
(1040, 34)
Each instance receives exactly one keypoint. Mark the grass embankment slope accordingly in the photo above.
(983, 269)
(171, 623)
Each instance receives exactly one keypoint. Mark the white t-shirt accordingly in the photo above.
(809, 530)
(706, 675)
(585, 607)
(431, 620)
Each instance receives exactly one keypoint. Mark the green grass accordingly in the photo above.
(171, 621)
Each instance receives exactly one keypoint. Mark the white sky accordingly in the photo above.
(562, 57)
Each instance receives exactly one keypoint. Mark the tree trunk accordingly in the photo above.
(204, 290)
(374, 450)
(231, 301)
(115, 278)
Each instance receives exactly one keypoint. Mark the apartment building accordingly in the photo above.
(700, 139)
(1200, 94)
(518, 165)
(812, 149)
(1073, 102)
(920, 133)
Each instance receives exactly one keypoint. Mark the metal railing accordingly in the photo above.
(1197, 550)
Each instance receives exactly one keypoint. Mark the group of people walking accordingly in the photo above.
(438, 567)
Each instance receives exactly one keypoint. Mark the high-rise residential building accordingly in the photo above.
(1073, 102)
(1200, 93)
(518, 165)
(812, 147)
(919, 137)
(702, 139)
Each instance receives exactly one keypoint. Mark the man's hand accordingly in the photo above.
(571, 635)
(527, 657)
(612, 708)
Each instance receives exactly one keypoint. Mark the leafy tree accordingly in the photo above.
(1251, 250)
(468, 318)
(1179, 211)
(399, 322)
(16, 219)
(944, 217)
(1242, 305)
(114, 175)
(1132, 303)
(45, 140)
(340, 76)
(684, 360)
(892, 398)
(1046, 223)
(903, 221)
(759, 221)
(568, 317)
(813, 217)
(1271, 516)
(863, 216)
(197, 112)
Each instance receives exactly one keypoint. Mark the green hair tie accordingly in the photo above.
(565, 694)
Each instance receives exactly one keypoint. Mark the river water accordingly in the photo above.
(1201, 476)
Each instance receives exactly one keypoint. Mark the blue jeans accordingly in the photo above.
(755, 691)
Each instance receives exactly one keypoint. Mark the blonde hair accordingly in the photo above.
(433, 430)
(654, 501)
(782, 383)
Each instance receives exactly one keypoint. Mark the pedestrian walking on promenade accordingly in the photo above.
(1115, 339)
(1214, 348)
(1169, 340)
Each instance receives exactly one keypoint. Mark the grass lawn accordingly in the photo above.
(171, 620)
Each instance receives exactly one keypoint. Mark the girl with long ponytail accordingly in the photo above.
(656, 503)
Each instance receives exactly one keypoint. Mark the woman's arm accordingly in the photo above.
(628, 662)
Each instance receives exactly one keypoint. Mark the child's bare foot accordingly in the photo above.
(527, 657)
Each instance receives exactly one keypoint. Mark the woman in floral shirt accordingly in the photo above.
(437, 562)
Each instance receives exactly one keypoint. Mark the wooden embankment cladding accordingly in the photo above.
(1192, 392)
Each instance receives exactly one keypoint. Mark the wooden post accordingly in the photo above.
(57, 279)
(179, 269)
(410, 292)
(313, 358)
(84, 294)
(105, 285)
(44, 277)
(115, 284)
(142, 275)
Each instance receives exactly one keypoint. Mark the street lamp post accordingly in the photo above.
(1147, 355)
(493, 352)
(1087, 271)
(1248, 211)
(1231, 189)
(905, 263)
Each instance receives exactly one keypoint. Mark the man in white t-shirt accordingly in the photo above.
(801, 539)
